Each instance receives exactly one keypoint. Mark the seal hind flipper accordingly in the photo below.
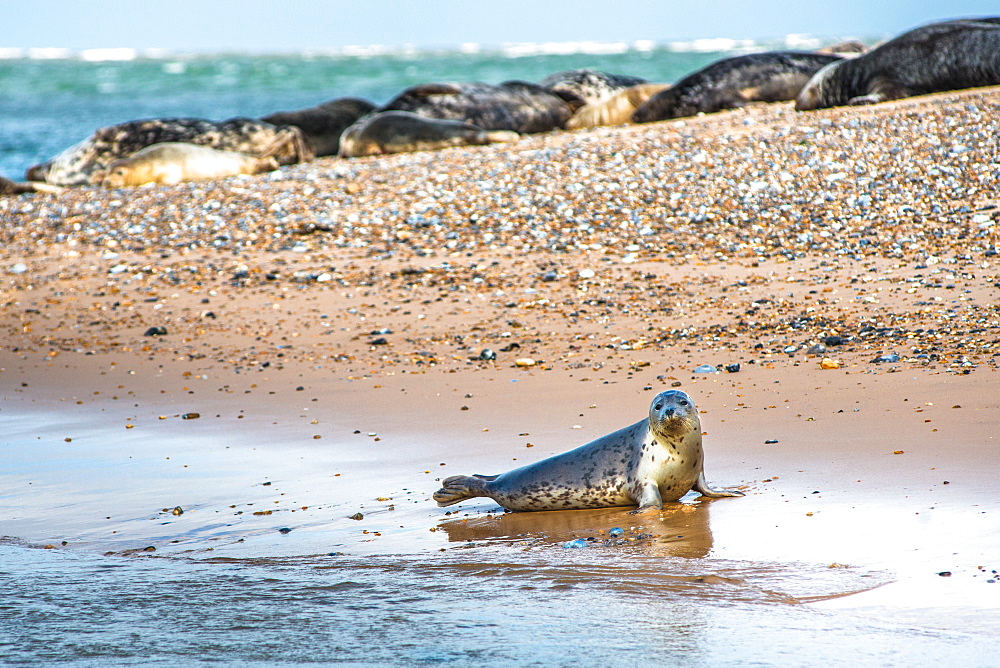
(702, 488)
(460, 487)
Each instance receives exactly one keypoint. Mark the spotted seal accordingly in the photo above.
(323, 124)
(78, 164)
(654, 460)
(950, 55)
(173, 162)
(729, 83)
(614, 110)
(587, 86)
(403, 131)
(518, 106)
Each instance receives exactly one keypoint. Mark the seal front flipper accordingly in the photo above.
(460, 487)
(702, 487)
(650, 499)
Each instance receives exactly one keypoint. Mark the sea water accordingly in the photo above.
(47, 105)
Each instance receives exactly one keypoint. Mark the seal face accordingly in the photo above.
(729, 83)
(323, 124)
(403, 132)
(587, 86)
(950, 55)
(654, 460)
(513, 105)
(79, 164)
(174, 162)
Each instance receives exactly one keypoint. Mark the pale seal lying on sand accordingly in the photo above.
(733, 82)
(402, 132)
(513, 105)
(937, 57)
(655, 460)
(615, 110)
(323, 124)
(8, 187)
(78, 164)
(586, 86)
(174, 162)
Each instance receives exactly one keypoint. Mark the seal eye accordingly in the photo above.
(657, 407)
(682, 402)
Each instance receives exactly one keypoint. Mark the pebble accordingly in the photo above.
(889, 358)
(487, 354)
(704, 368)
(573, 544)
(615, 532)
(158, 330)
(524, 362)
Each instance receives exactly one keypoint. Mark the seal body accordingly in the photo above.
(587, 86)
(614, 110)
(729, 83)
(174, 162)
(513, 105)
(654, 460)
(79, 164)
(323, 124)
(403, 131)
(941, 56)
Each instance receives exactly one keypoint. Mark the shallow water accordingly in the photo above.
(407, 585)
(471, 607)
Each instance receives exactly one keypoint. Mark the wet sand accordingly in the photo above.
(325, 328)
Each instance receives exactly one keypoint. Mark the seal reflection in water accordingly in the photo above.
(655, 460)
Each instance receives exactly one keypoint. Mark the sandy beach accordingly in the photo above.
(323, 329)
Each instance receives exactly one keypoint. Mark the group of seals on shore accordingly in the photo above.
(940, 56)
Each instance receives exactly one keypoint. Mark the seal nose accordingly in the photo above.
(669, 412)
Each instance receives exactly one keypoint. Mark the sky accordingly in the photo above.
(296, 25)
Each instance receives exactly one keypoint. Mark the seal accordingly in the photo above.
(518, 106)
(950, 55)
(173, 162)
(8, 187)
(323, 124)
(78, 164)
(654, 460)
(403, 132)
(614, 110)
(772, 76)
(587, 86)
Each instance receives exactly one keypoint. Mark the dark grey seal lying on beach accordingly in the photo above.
(513, 105)
(403, 132)
(729, 83)
(942, 56)
(80, 164)
(323, 124)
(586, 86)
